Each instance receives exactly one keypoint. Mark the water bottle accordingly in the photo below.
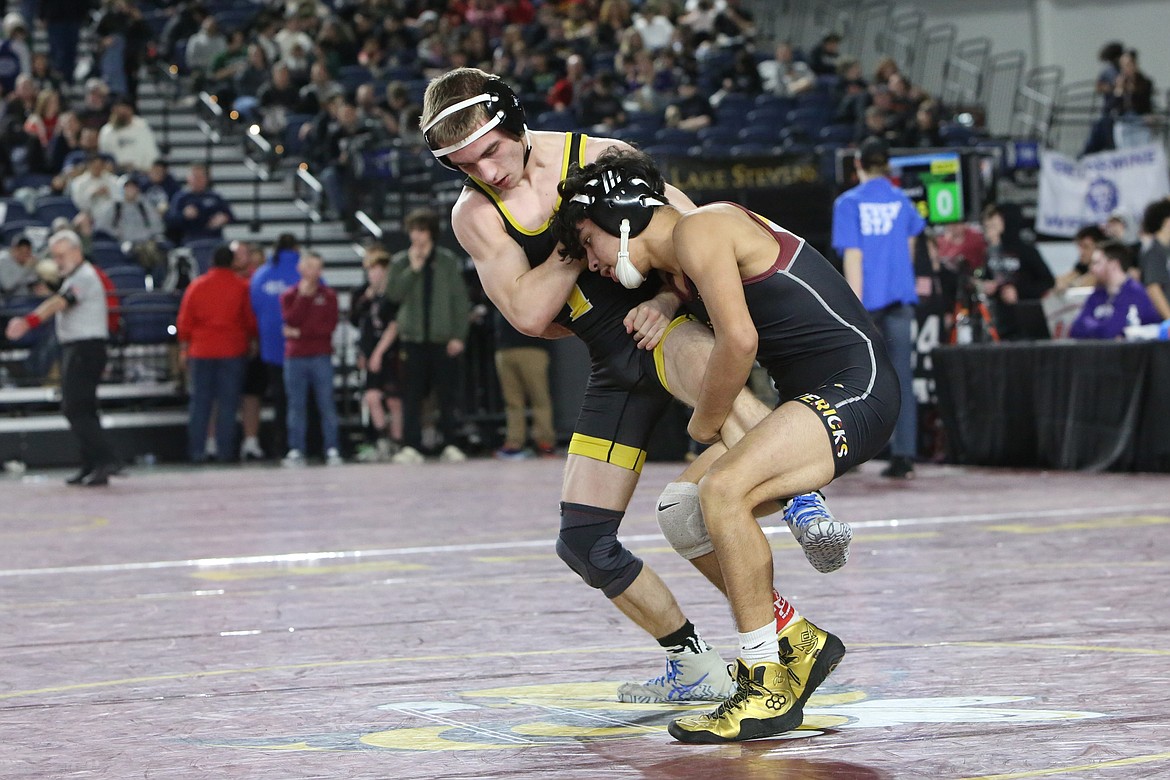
(963, 331)
(1132, 318)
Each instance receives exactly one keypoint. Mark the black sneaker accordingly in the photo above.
(900, 467)
(80, 476)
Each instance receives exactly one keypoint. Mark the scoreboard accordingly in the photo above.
(934, 183)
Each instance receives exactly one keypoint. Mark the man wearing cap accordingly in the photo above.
(875, 227)
(79, 307)
(128, 138)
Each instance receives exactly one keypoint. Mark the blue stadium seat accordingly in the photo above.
(754, 149)
(18, 306)
(293, 144)
(49, 207)
(675, 136)
(775, 115)
(557, 121)
(715, 134)
(836, 134)
(28, 180)
(235, 18)
(107, 255)
(12, 210)
(651, 119)
(733, 108)
(659, 150)
(11, 228)
(401, 73)
(149, 317)
(202, 249)
(768, 100)
(353, 76)
(759, 134)
(638, 135)
(127, 278)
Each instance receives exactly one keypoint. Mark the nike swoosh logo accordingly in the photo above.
(664, 507)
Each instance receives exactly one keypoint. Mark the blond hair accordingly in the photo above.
(447, 90)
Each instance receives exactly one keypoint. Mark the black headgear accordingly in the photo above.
(610, 198)
(504, 111)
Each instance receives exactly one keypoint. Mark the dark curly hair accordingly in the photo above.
(631, 163)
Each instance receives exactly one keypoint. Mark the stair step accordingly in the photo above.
(324, 233)
(242, 191)
(183, 136)
(181, 154)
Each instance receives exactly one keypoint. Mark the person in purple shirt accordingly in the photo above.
(1118, 300)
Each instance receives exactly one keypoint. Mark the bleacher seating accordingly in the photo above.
(49, 207)
(12, 210)
(107, 255)
(202, 249)
(127, 278)
(149, 317)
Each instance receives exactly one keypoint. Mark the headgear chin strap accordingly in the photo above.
(504, 111)
(625, 270)
(622, 208)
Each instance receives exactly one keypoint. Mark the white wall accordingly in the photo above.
(1067, 33)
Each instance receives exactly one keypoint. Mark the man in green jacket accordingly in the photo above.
(426, 282)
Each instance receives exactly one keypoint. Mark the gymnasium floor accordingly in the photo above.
(376, 621)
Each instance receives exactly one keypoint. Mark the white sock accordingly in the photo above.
(251, 443)
(760, 645)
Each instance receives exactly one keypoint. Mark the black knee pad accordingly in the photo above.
(588, 543)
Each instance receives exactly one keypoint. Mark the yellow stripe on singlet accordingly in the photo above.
(607, 451)
(660, 353)
(566, 159)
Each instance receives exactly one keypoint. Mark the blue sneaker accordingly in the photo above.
(824, 539)
(689, 677)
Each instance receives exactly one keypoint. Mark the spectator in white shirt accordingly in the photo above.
(95, 184)
(784, 75)
(128, 138)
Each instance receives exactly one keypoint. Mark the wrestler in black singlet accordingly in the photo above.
(624, 398)
(819, 345)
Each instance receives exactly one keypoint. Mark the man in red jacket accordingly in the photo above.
(310, 315)
(216, 331)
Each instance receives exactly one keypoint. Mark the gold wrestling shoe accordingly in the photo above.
(809, 654)
(763, 705)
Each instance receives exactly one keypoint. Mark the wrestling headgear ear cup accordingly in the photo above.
(622, 207)
(504, 111)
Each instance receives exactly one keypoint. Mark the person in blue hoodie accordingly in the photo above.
(267, 284)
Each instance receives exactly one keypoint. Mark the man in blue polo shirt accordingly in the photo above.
(874, 229)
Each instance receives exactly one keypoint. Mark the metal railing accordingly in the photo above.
(1036, 103)
(308, 195)
(964, 82)
(211, 119)
(930, 62)
(1004, 73)
(900, 39)
(262, 160)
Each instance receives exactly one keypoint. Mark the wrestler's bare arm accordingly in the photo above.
(709, 259)
(528, 297)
